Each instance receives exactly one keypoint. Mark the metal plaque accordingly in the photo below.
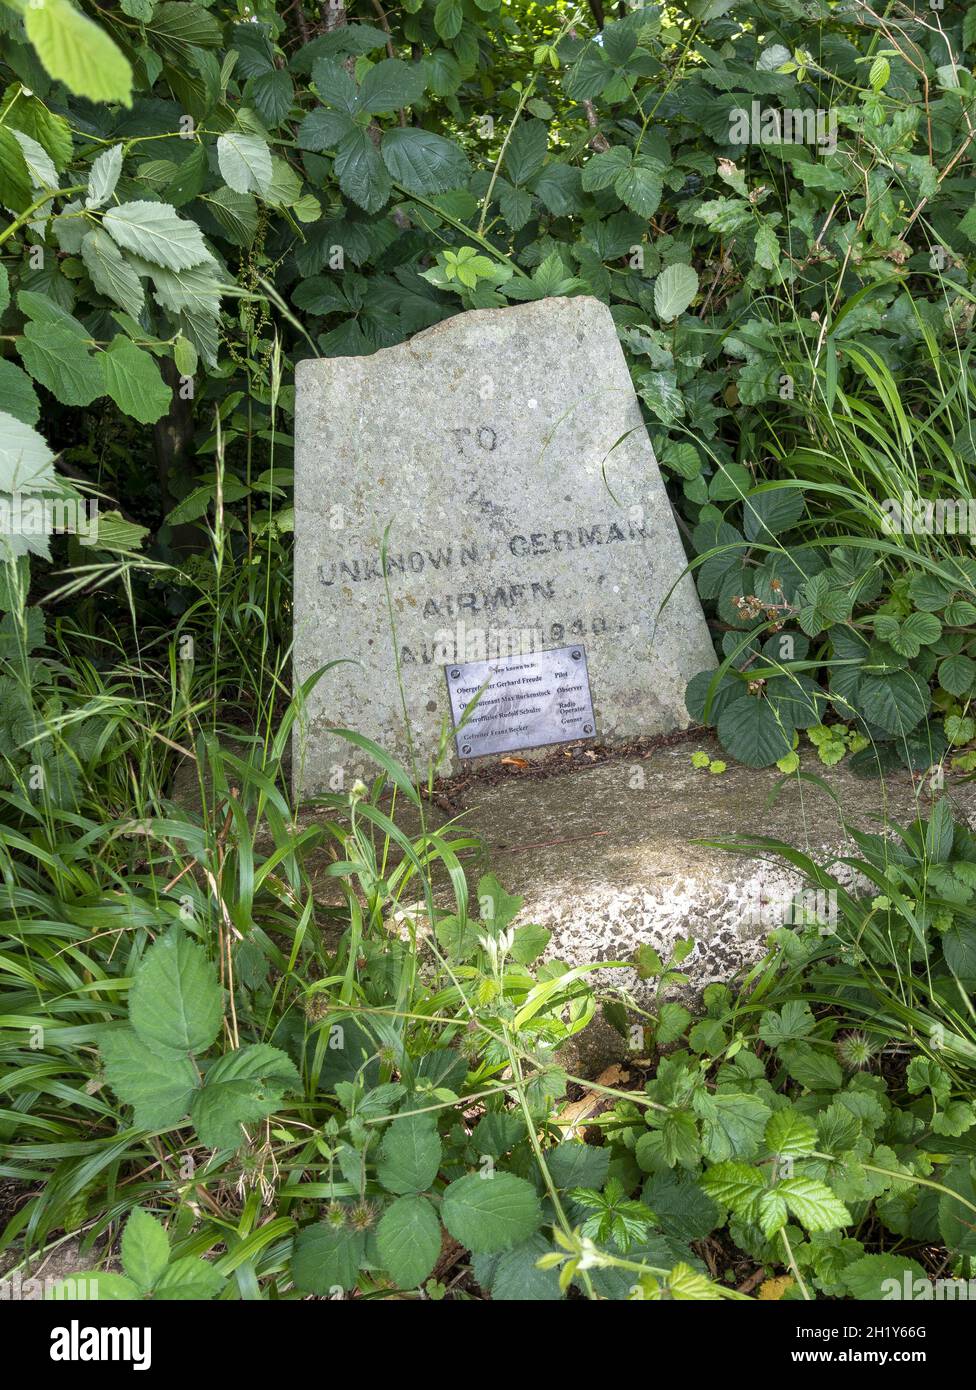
(527, 701)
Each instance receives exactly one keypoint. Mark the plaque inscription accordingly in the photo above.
(526, 701)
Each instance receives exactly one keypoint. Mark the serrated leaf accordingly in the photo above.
(732, 1124)
(391, 85)
(789, 1134)
(110, 272)
(491, 1214)
(175, 1000)
(514, 1275)
(674, 289)
(103, 176)
(78, 52)
(327, 1258)
(408, 1239)
(895, 702)
(145, 1249)
(244, 162)
(423, 162)
(736, 1186)
(56, 357)
(15, 183)
(813, 1204)
(242, 1087)
(755, 732)
(155, 232)
(360, 170)
(794, 1021)
(189, 1279)
(875, 1277)
(133, 381)
(410, 1154)
(639, 188)
(18, 394)
(157, 1082)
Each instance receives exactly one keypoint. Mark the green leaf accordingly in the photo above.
(360, 170)
(448, 18)
(818, 1071)
(957, 674)
(674, 289)
(895, 702)
(60, 360)
(408, 1239)
(876, 1277)
(736, 1186)
(326, 1258)
(156, 1081)
(640, 188)
(767, 515)
(18, 394)
(514, 1275)
(104, 1287)
(732, 1124)
(242, 1087)
(78, 52)
(957, 1223)
(244, 162)
(188, 1279)
(793, 1022)
(813, 1204)
(391, 85)
(145, 1249)
(323, 129)
(175, 1000)
(755, 732)
(789, 1134)
(15, 183)
(133, 381)
(103, 176)
(525, 155)
(492, 1213)
(155, 232)
(40, 166)
(111, 273)
(424, 163)
(410, 1154)
(573, 1164)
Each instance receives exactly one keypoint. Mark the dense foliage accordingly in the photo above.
(316, 1082)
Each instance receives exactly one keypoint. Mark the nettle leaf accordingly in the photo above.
(410, 1154)
(78, 52)
(156, 232)
(408, 1239)
(144, 1249)
(175, 999)
(423, 162)
(327, 1258)
(245, 164)
(157, 1082)
(488, 1214)
(133, 381)
(242, 1087)
(103, 176)
(674, 289)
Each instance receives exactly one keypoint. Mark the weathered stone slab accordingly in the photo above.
(506, 452)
